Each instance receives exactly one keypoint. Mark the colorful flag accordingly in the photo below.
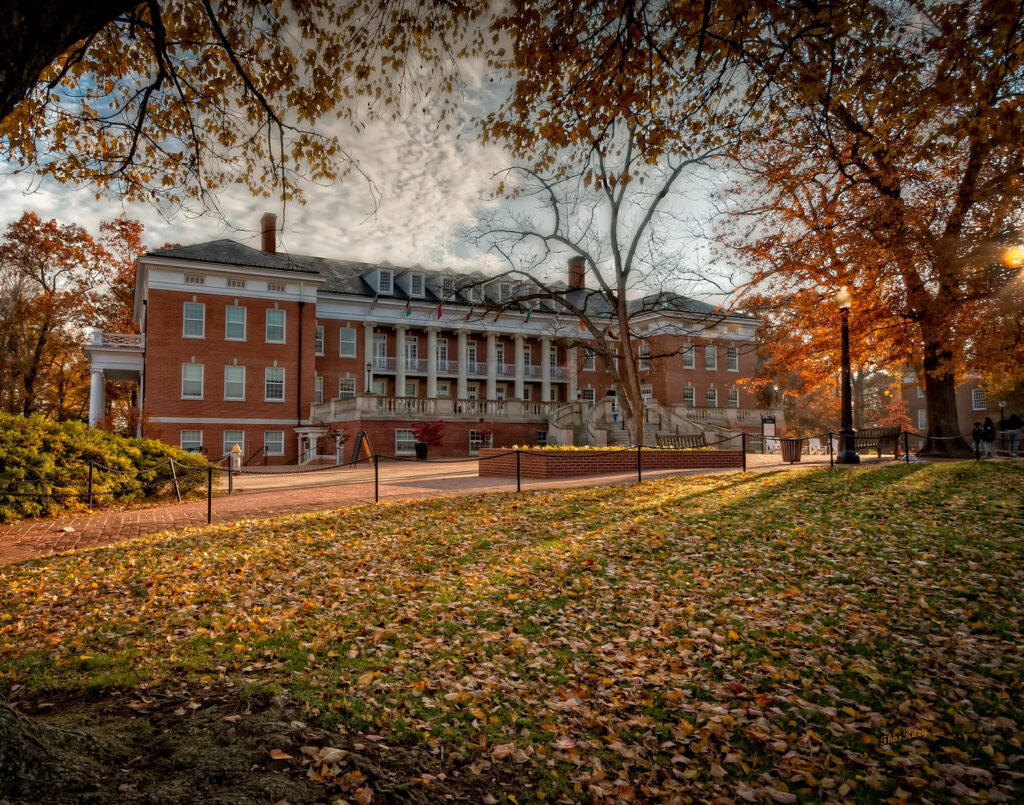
(497, 315)
(470, 314)
(528, 314)
(439, 305)
(583, 327)
(373, 304)
(408, 307)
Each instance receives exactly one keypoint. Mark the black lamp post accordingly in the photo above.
(847, 447)
(369, 370)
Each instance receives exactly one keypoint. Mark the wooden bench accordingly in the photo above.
(877, 439)
(680, 442)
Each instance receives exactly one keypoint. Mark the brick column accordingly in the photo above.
(520, 368)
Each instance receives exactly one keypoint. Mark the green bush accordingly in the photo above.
(44, 467)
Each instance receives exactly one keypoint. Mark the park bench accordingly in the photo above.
(678, 441)
(877, 439)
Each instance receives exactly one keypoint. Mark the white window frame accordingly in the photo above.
(689, 356)
(226, 371)
(318, 389)
(447, 287)
(527, 390)
(343, 341)
(542, 438)
(344, 390)
(274, 312)
(711, 397)
(194, 279)
(227, 444)
(267, 372)
(504, 291)
(589, 360)
(527, 354)
(185, 319)
(405, 442)
(711, 357)
(202, 381)
(732, 359)
(690, 397)
(227, 335)
(385, 281)
(318, 341)
(643, 358)
(412, 350)
(236, 283)
(444, 388)
(477, 440)
(267, 442)
(499, 354)
(276, 287)
(589, 396)
(979, 400)
(647, 392)
(471, 352)
(922, 419)
(198, 448)
(416, 285)
(733, 400)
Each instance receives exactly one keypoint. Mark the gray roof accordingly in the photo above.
(347, 277)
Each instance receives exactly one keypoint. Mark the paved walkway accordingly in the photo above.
(269, 495)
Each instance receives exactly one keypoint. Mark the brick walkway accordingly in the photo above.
(259, 496)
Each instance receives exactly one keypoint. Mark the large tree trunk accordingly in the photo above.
(37, 759)
(944, 435)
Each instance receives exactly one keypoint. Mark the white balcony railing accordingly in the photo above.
(120, 340)
(370, 406)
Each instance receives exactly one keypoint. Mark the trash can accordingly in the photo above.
(791, 449)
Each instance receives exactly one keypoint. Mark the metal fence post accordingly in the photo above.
(231, 479)
(90, 486)
(209, 495)
(519, 478)
(906, 447)
(743, 449)
(639, 465)
(831, 458)
(376, 479)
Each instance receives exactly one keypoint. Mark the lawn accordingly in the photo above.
(796, 636)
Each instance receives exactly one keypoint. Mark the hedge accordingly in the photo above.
(44, 467)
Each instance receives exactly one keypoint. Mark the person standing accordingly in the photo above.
(979, 438)
(1011, 428)
(988, 437)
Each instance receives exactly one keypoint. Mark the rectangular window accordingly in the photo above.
(405, 442)
(192, 440)
(922, 420)
(275, 287)
(346, 387)
(646, 393)
(275, 326)
(711, 398)
(233, 283)
(710, 357)
(447, 287)
(192, 279)
(920, 393)
(412, 388)
(192, 381)
(527, 355)
(689, 397)
(542, 438)
(643, 360)
(416, 285)
(231, 438)
(318, 389)
(273, 442)
(444, 389)
(688, 357)
(504, 291)
(732, 359)
(553, 355)
(234, 323)
(979, 400)
(442, 355)
(589, 360)
(412, 351)
(347, 342)
(734, 398)
(234, 382)
(527, 391)
(194, 320)
(589, 396)
(499, 353)
(471, 391)
(384, 281)
(318, 340)
(471, 352)
(273, 384)
(478, 439)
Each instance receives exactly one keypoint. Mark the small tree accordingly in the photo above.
(429, 433)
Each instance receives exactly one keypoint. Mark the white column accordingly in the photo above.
(462, 386)
(97, 398)
(545, 368)
(432, 362)
(572, 367)
(400, 360)
(520, 368)
(368, 352)
(492, 366)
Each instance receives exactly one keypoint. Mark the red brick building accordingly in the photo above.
(291, 356)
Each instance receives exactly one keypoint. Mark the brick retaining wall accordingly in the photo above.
(563, 463)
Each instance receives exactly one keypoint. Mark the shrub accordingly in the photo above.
(44, 467)
(429, 433)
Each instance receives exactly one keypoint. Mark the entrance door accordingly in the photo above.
(380, 352)
(380, 387)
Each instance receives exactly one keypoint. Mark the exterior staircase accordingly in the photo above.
(581, 436)
(618, 437)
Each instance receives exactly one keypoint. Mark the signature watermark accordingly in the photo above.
(906, 735)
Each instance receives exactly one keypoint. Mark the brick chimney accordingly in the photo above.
(268, 224)
(577, 273)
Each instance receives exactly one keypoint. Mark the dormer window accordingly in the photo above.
(384, 281)
(504, 291)
(447, 287)
(416, 285)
